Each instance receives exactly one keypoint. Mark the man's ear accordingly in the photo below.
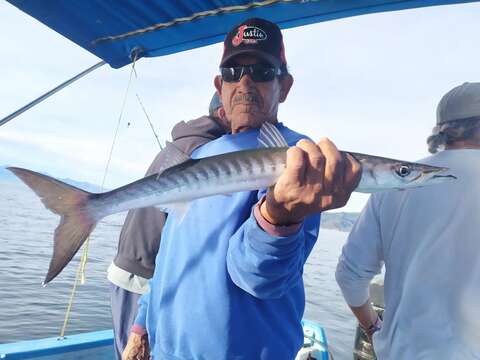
(217, 82)
(286, 83)
(221, 113)
(222, 119)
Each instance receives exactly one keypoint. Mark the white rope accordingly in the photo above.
(194, 16)
(149, 121)
(80, 274)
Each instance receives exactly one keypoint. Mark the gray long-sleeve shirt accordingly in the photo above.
(140, 235)
(428, 239)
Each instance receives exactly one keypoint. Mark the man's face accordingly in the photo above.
(248, 104)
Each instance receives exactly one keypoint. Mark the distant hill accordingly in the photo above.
(341, 221)
(7, 176)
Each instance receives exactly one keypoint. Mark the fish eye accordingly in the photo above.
(403, 170)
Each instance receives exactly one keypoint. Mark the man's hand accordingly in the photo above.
(317, 178)
(137, 348)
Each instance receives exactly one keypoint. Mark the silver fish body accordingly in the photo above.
(192, 179)
(197, 178)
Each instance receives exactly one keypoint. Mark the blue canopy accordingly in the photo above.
(114, 30)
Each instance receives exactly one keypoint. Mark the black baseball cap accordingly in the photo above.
(258, 37)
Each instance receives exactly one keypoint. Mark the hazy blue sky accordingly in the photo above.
(369, 83)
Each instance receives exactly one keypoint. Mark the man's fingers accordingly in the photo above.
(353, 172)
(316, 178)
(295, 170)
(136, 348)
(334, 171)
(352, 175)
(315, 166)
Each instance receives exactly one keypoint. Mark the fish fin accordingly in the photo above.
(271, 137)
(174, 156)
(69, 237)
(180, 209)
(76, 223)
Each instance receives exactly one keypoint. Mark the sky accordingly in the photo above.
(369, 83)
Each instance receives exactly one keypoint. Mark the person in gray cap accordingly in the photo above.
(457, 118)
(214, 111)
(428, 240)
(141, 233)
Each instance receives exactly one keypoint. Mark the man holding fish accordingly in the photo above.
(228, 276)
(228, 280)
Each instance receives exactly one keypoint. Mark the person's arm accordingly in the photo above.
(267, 260)
(145, 225)
(367, 317)
(362, 259)
(137, 347)
(267, 264)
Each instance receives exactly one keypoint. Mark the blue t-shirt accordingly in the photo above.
(222, 287)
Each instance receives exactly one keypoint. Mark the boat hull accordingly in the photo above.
(98, 345)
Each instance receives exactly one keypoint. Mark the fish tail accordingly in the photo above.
(76, 223)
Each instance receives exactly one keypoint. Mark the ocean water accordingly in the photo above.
(30, 311)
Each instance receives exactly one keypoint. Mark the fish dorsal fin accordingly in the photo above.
(173, 157)
(270, 136)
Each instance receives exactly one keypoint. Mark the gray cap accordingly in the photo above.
(461, 102)
(215, 103)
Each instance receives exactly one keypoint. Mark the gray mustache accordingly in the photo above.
(246, 98)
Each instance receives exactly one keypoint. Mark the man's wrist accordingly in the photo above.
(272, 229)
(372, 328)
(271, 219)
(138, 330)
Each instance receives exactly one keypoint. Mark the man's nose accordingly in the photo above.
(246, 81)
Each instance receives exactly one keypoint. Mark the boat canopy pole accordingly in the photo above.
(51, 92)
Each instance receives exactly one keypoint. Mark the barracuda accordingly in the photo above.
(188, 179)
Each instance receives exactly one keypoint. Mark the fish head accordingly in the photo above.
(380, 174)
(411, 175)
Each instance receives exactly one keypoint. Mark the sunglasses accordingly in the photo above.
(257, 72)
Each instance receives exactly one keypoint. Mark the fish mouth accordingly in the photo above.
(440, 174)
(437, 173)
(449, 176)
(435, 170)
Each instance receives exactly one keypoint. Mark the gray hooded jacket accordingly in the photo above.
(140, 235)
